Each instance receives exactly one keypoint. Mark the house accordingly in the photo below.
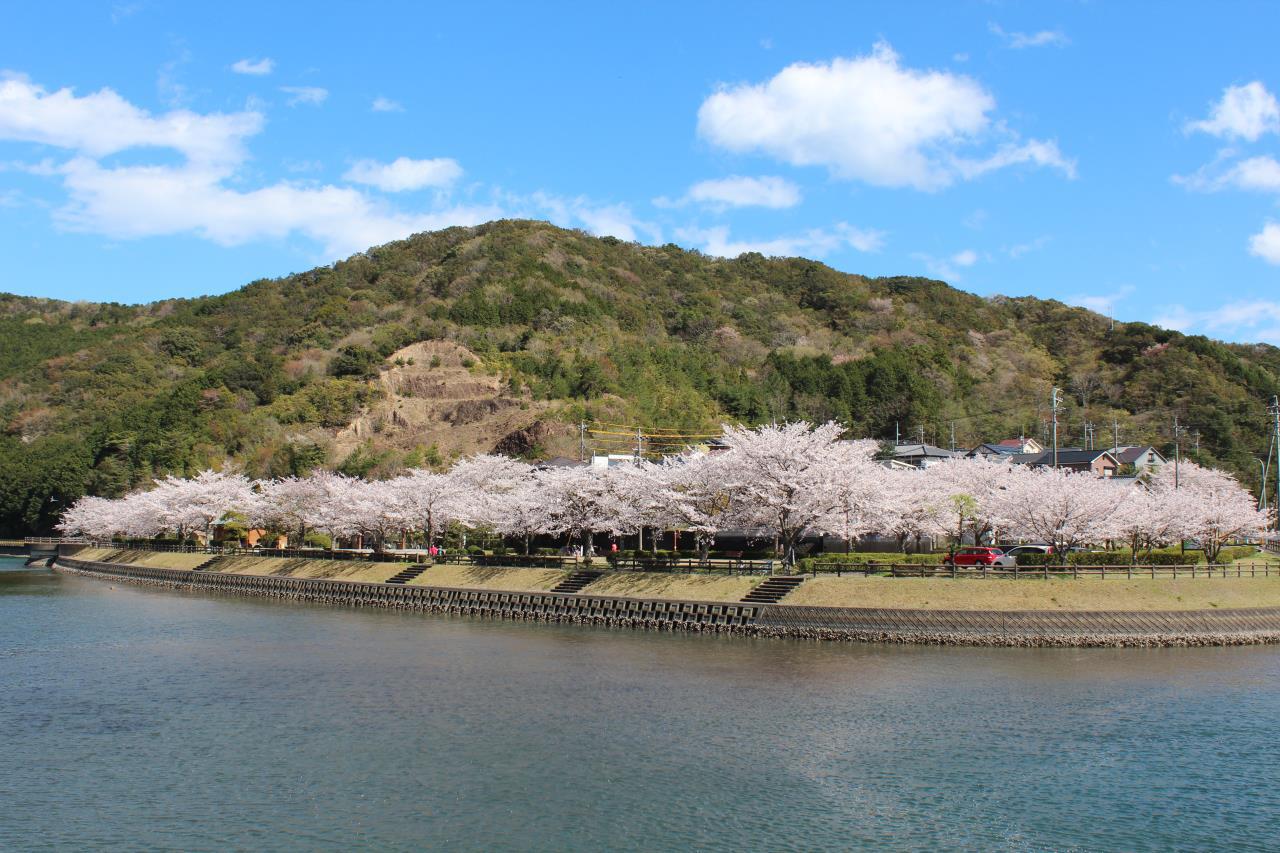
(996, 450)
(1141, 457)
(613, 460)
(922, 455)
(559, 462)
(1021, 445)
(1100, 463)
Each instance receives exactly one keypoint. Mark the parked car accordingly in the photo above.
(977, 556)
(1018, 550)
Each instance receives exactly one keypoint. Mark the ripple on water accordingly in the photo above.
(137, 717)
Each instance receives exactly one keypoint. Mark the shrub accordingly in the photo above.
(1236, 552)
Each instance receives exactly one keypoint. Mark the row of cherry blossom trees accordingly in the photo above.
(780, 483)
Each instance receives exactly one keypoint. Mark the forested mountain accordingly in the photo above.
(511, 333)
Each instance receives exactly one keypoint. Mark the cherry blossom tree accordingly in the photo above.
(582, 501)
(967, 492)
(1063, 508)
(688, 493)
(201, 502)
(782, 479)
(290, 504)
(1212, 507)
(858, 491)
(913, 509)
(521, 511)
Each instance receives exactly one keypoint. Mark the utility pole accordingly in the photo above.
(639, 444)
(922, 433)
(1177, 450)
(1274, 411)
(1088, 435)
(897, 436)
(582, 442)
(1055, 400)
(953, 435)
(1115, 434)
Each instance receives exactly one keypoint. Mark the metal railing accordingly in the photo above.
(1044, 572)
(693, 565)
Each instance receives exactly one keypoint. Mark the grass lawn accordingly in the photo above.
(484, 577)
(305, 567)
(1053, 594)
(675, 586)
(151, 559)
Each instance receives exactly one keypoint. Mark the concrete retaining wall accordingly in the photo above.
(940, 627)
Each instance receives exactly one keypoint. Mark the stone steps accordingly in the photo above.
(576, 581)
(772, 590)
(409, 573)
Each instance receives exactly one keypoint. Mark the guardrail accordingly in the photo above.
(692, 565)
(916, 570)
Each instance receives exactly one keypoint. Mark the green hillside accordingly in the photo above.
(556, 326)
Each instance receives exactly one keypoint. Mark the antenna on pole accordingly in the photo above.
(1054, 401)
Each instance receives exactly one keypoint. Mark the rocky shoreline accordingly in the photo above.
(691, 617)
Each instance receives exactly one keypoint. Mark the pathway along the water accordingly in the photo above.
(141, 717)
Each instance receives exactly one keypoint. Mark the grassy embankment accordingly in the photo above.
(905, 593)
(1054, 594)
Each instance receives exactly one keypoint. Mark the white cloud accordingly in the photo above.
(1019, 249)
(1243, 112)
(738, 191)
(103, 123)
(1266, 243)
(614, 220)
(1260, 174)
(197, 196)
(147, 201)
(948, 268)
(1020, 41)
(405, 174)
(1036, 152)
(385, 105)
(1104, 303)
(815, 243)
(869, 119)
(312, 95)
(256, 67)
(604, 220)
(1246, 319)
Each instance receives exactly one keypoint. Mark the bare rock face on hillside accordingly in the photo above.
(438, 393)
(523, 442)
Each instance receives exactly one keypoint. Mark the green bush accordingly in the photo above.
(1237, 552)
(830, 562)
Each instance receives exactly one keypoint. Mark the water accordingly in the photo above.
(141, 718)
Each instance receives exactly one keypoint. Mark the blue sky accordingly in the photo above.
(1117, 156)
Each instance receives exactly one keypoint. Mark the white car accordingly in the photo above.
(1010, 557)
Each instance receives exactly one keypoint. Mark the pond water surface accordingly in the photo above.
(144, 718)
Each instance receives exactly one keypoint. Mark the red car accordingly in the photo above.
(976, 557)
